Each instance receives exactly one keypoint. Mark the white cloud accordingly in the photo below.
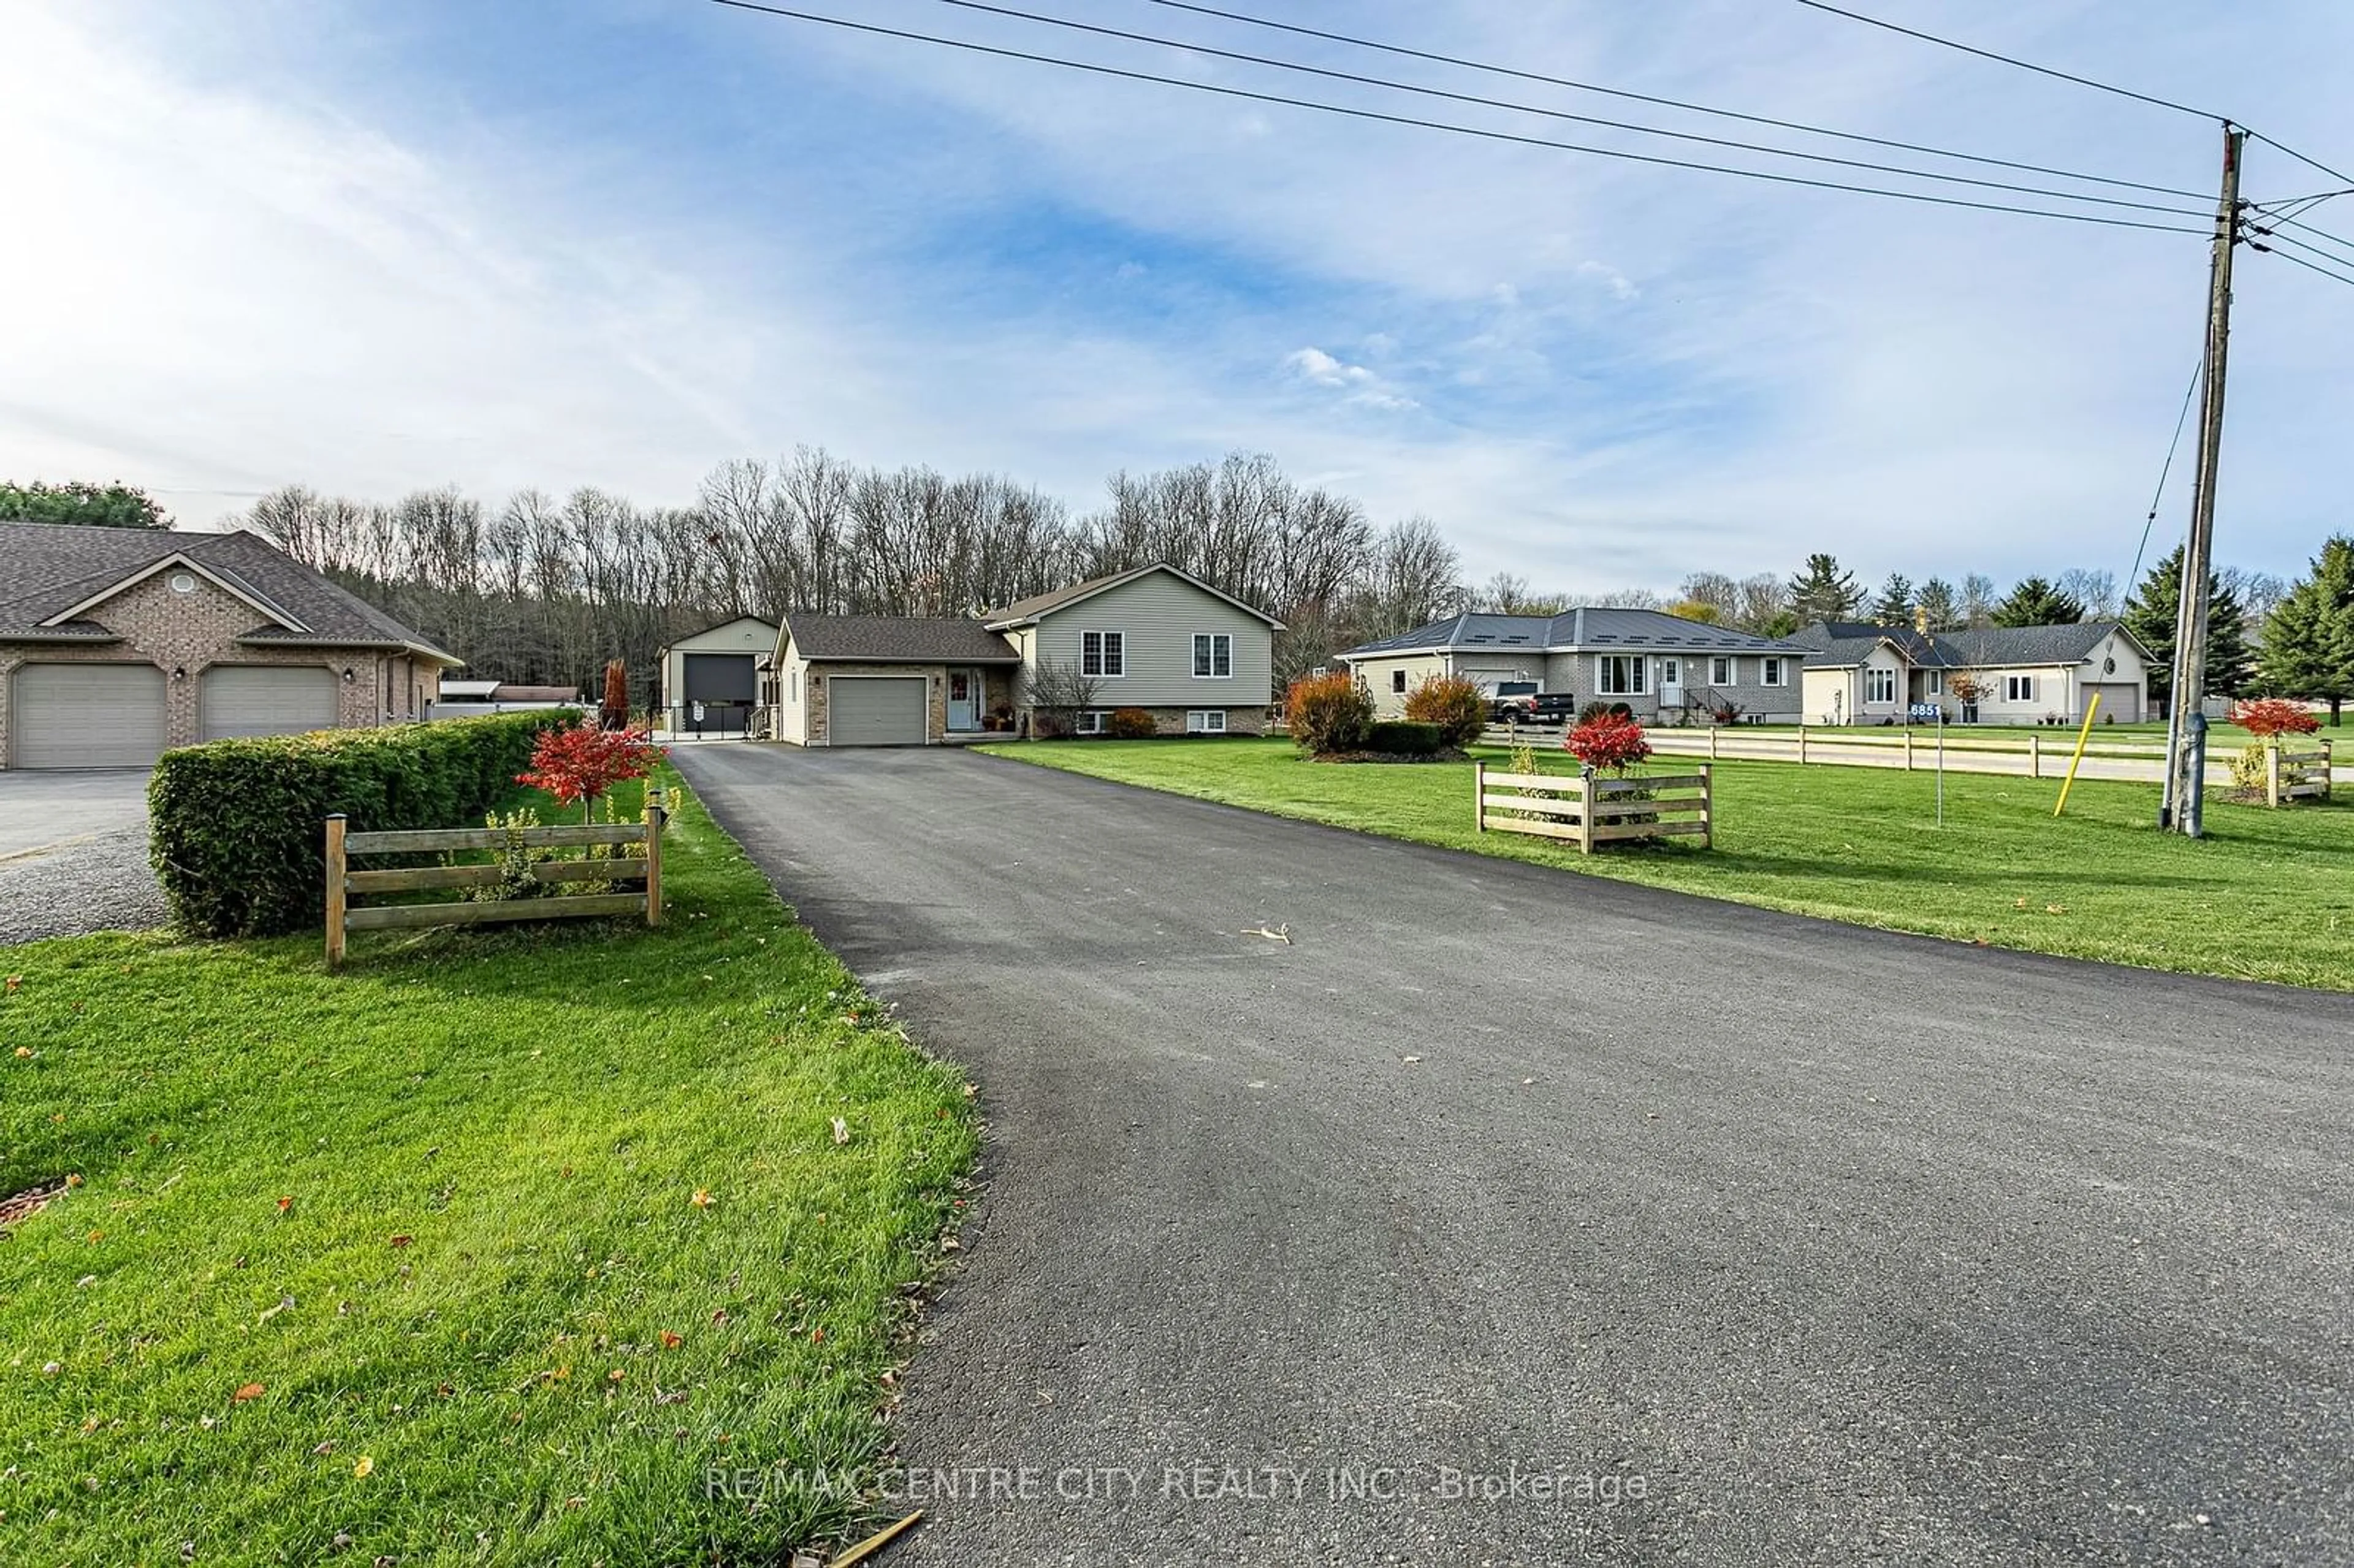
(1363, 387)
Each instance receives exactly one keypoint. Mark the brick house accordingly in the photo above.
(118, 644)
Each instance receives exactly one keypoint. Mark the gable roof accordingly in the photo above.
(1027, 611)
(898, 638)
(1573, 631)
(770, 626)
(51, 574)
(1842, 644)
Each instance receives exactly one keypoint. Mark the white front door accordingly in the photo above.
(1671, 682)
(964, 700)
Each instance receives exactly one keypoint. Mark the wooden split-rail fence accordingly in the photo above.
(643, 867)
(1588, 810)
(2296, 772)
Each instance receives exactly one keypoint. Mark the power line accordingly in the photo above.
(2308, 266)
(2300, 157)
(2278, 146)
(2337, 239)
(1476, 100)
(2198, 373)
(2020, 64)
(1798, 125)
(1487, 135)
(2272, 239)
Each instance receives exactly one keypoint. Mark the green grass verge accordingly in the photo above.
(436, 1217)
(2266, 895)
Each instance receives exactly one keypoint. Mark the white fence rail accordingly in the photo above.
(2020, 756)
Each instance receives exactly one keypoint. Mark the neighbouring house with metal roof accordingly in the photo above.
(116, 644)
(1659, 665)
(1198, 661)
(1859, 673)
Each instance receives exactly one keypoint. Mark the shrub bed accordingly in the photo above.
(1131, 724)
(1454, 704)
(1404, 737)
(1326, 714)
(237, 836)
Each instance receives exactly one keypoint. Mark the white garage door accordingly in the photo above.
(874, 710)
(88, 716)
(2120, 702)
(266, 699)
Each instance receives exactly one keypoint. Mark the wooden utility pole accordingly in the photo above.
(2186, 723)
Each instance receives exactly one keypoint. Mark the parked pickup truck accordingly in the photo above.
(1532, 706)
(1509, 702)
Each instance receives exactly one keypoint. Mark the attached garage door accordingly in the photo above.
(266, 699)
(2119, 701)
(88, 716)
(869, 710)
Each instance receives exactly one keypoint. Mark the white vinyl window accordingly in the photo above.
(1092, 720)
(2019, 688)
(1880, 685)
(1622, 674)
(1936, 682)
(1719, 672)
(1103, 653)
(1772, 671)
(1206, 721)
(1398, 680)
(1213, 655)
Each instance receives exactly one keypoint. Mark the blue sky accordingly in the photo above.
(615, 243)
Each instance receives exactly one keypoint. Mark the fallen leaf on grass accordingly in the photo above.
(402, 1240)
(15, 981)
(2055, 909)
(702, 1199)
(365, 1467)
(250, 1390)
(841, 1130)
(285, 1205)
(670, 1341)
(24, 1053)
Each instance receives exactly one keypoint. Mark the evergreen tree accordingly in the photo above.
(2035, 602)
(1942, 605)
(79, 502)
(2310, 641)
(2151, 617)
(1823, 592)
(1894, 606)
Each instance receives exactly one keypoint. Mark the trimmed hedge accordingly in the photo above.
(1402, 737)
(237, 833)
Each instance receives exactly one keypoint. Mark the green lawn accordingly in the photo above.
(2266, 895)
(413, 1257)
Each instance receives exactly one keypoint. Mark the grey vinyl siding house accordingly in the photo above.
(1198, 661)
(1195, 659)
(1664, 668)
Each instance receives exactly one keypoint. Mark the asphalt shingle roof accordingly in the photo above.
(47, 568)
(1036, 605)
(1835, 644)
(1591, 627)
(898, 639)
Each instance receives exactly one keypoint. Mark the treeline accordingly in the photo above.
(545, 589)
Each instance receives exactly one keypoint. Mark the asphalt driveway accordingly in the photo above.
(73, 854)
(1510, 1216)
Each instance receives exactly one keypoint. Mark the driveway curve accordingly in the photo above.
(1503, 1215)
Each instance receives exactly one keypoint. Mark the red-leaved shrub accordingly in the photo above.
(2273, 716)
(1327, 714)
(581, 764)
(1457, 705)
(1608, 742)
(1131, 723)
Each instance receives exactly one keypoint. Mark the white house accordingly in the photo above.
(1858, 673)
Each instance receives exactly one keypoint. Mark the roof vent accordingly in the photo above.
(184, 582)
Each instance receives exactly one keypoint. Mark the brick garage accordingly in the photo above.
(115, 644)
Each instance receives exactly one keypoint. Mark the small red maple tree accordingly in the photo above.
(2273, 716)
(1609, 741)
(578, 763)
